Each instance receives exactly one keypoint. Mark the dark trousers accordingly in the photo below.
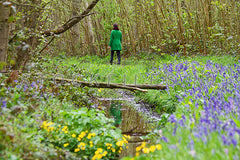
(118, 55)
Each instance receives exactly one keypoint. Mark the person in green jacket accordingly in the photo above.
(115, 43)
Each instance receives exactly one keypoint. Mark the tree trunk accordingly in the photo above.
(31, 22)
(91, 34)
(180, 23)
(75, 29)
(4, 31)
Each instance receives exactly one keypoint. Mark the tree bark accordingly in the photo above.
(4, 32)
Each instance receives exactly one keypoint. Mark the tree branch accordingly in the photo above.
(47, 44)
(72, 21)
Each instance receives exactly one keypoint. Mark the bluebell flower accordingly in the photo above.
(165, 139)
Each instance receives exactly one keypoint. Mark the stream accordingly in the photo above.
(134, 119)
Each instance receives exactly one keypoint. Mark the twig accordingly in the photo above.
(47, 44)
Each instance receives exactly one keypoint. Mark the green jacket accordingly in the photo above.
(115, 40)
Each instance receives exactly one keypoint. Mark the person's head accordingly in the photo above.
(115, 26)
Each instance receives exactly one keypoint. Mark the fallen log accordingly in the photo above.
(99, 84)
(146, 86)
(131, 87)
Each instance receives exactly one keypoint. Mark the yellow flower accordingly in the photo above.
(66, 132)
(81, 144)
(143, 144)
(113, 150)
(100, 90)
(146, 150)
(100, 150)
(152, 148)
(76, 150)
(189, 102)
(82, 148)
(73, 135)
(89, 136)
(132, 158)
(82, 134)
(109, 144)
(51, 128)
(50, 123)
(137, 154)
(125, 140)
(44, 123)
(99, 156)
(104, 153)
(64, 128)
(158, 146)
(66, 144)
(120, 143)
(94, 157)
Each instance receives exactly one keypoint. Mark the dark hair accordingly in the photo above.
(115, 26)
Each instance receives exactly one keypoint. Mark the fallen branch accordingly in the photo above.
(99, 85)
(146, 86)
(132, 87)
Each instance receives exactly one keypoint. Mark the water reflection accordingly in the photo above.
(129, 120)
(115, 112)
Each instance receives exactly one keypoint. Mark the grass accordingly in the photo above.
(39, 104)
(133, 70)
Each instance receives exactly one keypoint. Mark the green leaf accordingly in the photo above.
(11, 19)
(237, 122)
(210, 90)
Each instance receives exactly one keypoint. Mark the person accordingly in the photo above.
(115, 43)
